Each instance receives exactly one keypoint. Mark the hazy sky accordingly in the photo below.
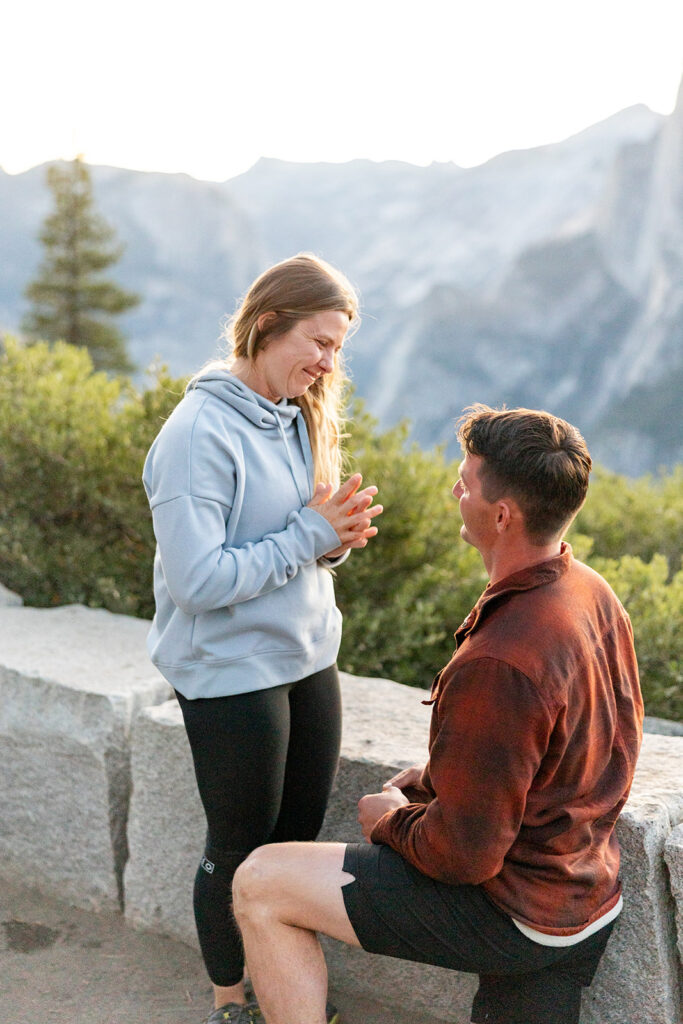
(209, 87)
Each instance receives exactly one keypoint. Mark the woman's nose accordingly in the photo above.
(326, 362)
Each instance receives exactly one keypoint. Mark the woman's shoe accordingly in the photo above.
(237, 1013)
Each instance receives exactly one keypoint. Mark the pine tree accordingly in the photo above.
(71, 301)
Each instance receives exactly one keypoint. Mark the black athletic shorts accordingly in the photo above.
(397, 911)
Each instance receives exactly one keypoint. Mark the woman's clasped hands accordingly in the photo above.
(349, 511)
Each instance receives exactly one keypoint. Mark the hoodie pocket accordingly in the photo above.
(211, 634)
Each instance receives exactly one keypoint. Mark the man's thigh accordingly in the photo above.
(396, 911)
(301, 884)
(368, 896)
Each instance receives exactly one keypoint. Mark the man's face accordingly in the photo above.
(478, 515)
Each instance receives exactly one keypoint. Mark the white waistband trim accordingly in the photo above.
(543, 939)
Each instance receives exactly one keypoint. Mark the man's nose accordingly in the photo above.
(457, 489)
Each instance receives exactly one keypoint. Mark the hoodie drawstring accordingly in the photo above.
(304, 500)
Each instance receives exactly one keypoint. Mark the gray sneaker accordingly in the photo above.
(236, 1013)
(332, 1015)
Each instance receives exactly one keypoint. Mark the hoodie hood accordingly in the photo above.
(264, 414)
(259, 410)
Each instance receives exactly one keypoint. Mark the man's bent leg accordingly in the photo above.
(283, 894)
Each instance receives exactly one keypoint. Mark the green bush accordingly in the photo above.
(641, 517)
(655, 606)
(74, 520)
(404, 596)
(75, 525)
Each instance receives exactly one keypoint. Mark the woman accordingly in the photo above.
(243, 482)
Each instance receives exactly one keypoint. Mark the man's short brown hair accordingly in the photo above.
(533, 457)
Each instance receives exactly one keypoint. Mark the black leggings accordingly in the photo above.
(265, 763)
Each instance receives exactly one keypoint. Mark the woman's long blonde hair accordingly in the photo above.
(295, 289)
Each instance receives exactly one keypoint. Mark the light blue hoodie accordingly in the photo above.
(242, 602)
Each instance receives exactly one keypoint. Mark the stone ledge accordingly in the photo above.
(673, 855)
(385, 728)
(78, 697)
(9, 598)
(638, 978)
(72, 679)
(166, 825)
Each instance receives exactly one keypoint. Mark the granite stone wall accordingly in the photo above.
(99, 806)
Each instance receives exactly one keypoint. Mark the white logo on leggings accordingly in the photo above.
(207, 865)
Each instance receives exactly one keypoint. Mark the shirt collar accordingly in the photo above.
(532, 576)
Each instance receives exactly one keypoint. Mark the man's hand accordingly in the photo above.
(374, 805)
(407, 778)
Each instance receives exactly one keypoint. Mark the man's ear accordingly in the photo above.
(505, 513)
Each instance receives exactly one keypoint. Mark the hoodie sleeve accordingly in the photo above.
(191, 481)
(202, 573)
(333, 563)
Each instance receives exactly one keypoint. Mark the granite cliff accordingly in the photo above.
(549, 277)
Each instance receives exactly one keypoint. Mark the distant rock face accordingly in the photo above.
(550, 277)
(189, 252)
(586, 321)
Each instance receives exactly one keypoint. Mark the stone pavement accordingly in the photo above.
(70, 966)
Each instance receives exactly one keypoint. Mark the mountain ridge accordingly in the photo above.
(543, 276)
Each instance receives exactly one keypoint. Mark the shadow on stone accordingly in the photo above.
(24, 937)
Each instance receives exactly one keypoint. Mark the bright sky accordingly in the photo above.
(209, 87)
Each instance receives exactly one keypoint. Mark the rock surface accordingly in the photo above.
(673, 855)
(638, 978)
(71, 681)
(385, 729)
(662, 726)
(8, 598)
(93, 967)
(548, 276)
(166, 825)
(83, 715)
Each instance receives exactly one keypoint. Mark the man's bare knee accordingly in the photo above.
(254, 883)
(296, 884)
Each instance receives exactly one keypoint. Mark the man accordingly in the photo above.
(499, 857)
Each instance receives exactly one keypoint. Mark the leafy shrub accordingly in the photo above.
(655, 607)
(403, 597)
(75, 525)
(74, 521)
(641, 517)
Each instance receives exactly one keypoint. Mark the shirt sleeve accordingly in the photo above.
(490, 730)
(202, 573)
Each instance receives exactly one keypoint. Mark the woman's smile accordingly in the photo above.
(283, 369)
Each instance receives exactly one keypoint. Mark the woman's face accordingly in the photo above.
(289, 364)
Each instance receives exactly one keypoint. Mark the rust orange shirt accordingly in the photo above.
(535, 731)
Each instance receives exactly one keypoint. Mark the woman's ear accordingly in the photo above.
(264, 319)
